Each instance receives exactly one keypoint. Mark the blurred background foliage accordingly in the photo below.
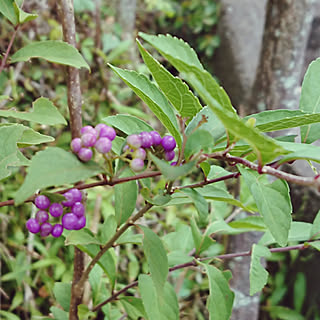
(30, 265)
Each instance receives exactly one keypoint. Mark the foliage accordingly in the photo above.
(146, 229)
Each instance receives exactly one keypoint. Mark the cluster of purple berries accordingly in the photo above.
(100, 137)
(71, 210)
(138, 143)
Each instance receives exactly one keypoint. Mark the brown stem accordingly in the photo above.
(74, 104)
(6, 55)
(195, 262)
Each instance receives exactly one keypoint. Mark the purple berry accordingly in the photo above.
(45, 229)
(139, 153)
(156, 138)
(137, 164)
(69, 221)
(105, 131)
(57, 230)
(56, 209)
(103, 145)
(146, 139)
(88, 140)
(75, 145)
(42, 216)
(87, 129)
(85, 154)
(81, 223)
(174, 163)
(134, 141)
(33, 225)
(76, 193)
(42, 202)
(69, 199)
(78, 209)
(168, 143)
(169, 155)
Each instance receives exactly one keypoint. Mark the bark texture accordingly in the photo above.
(277, 84)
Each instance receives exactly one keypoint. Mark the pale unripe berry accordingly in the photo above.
(137, 164)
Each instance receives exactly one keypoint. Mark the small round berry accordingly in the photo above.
(81, 223)
(69, 199)
(57, 230)
(103, 145)
(76, 193)
(87, 129)
(169, 155)
(45, 229)
(88, 140)
(33, 225)
(85, 154)
(139, 153)
(42, 202)
(137, 164)
(168, 143)
(69, 221)
(75, 145)
(105, 131)
(78, 209)
(174, 163)
(56, 209)
(156, 138)
(134, 141)
(146, 139)
(42, 216)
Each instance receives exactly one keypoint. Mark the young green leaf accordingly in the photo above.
(156, 257)
(43, 112)
(59, 314)
(310, 101)
(54, 167)
(315, 230)
(220, 300)
(81, 237)
(300, 151)
(177, 92)
(299, 291)
(172, 172)
(23, 16)
(315, 244)
(127, 124)
(108, 229)
(198, 140)
(258, 274)
(53, 51)
(125, 195)
(273, 202)
(62, 293)
(153, 97)
(134, 307)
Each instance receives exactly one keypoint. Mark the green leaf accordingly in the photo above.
(8, 315)
(185, 60)
(23, 16)
(129, 237)
(81, 237)
(108, 229)
(265, 148)
(178, 257)
(199, 202)
(211, 124)
(177, 92)
(315, 244)
(31, 137)
(153, 97)
(197, 141)
(62, 293)
(10, 154)
(43, 112)
(315, 230)
(284, 313)
(7, 8)
(125, 195)
(273, 120)
(273, 202)
(160, 199)
(310, 101)
(202, 241)
(53, 51)
(127, 124)
(172, 172)
(134, 307)
(220, 300)
(59, 314)
(158, 308)
(156, 257)
(54, 167)
(299, 291)
(258, 274)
